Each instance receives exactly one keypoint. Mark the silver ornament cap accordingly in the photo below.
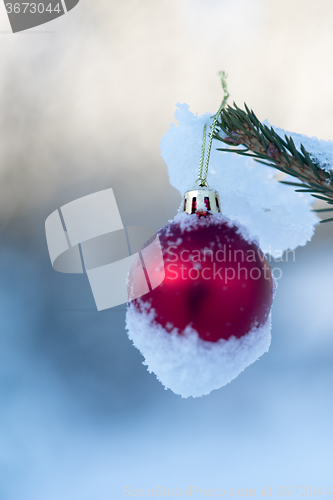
(201, 199)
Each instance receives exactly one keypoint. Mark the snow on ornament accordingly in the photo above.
(210, 317)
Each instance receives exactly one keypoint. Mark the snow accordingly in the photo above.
(186, 364)
(187, 222)
(274, 214)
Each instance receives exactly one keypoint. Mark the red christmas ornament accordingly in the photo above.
(217, 281)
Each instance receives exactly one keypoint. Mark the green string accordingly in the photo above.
(202, 176)
(203, 148)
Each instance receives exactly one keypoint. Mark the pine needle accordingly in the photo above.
(243, 128)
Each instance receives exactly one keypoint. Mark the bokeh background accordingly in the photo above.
(84, 101)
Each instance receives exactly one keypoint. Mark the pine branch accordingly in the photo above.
(266, 146)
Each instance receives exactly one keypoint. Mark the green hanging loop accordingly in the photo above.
(203, 149)
(202, 175)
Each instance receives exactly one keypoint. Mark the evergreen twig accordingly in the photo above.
(264, 145)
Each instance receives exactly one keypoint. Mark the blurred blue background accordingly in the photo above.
(84, 102)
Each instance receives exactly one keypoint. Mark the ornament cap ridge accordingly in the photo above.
(201, 199)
